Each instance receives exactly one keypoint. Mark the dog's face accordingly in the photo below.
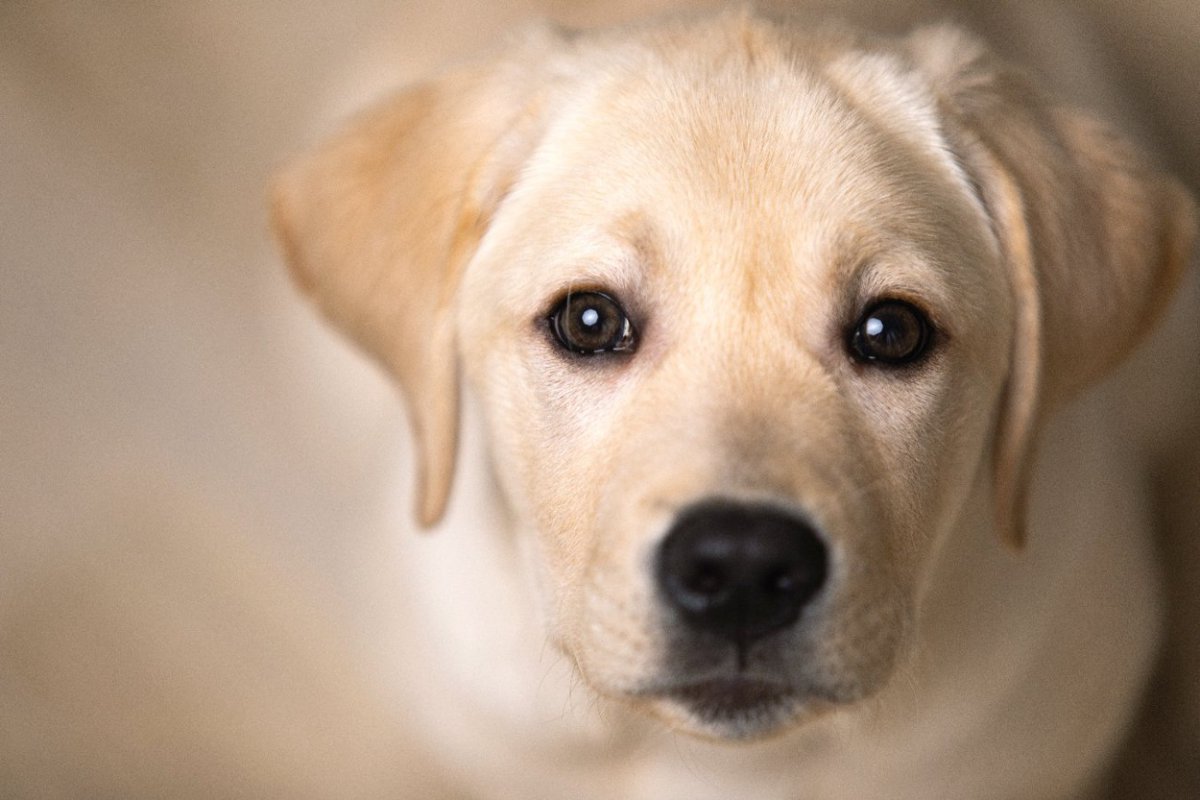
(741, 316)
(733, 258)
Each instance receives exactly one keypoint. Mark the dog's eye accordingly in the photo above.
(891, 332)
(590, 323)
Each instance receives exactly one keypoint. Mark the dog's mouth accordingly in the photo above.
(726, 700)
(737, 707)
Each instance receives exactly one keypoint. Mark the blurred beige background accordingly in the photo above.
(197, 480)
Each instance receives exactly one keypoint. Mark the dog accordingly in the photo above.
(726, 341)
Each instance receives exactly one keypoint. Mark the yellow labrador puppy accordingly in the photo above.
(732, 338)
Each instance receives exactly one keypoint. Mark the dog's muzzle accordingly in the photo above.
(735, 578)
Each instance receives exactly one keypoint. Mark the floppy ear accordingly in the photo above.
(1094, 239)
(377, 224)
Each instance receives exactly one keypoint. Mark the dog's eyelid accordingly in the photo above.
(902, 273)
(922, 304)
(872, 293)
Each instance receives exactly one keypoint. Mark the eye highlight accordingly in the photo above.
(892, 333)
(592, 323)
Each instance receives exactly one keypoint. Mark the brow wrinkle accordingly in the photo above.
(636, 229)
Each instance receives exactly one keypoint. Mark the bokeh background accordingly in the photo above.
(198, 480)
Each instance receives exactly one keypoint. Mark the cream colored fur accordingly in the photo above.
(746, 185)
(209, 585)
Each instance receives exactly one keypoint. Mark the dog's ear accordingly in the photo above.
(1095, 239)
(377, 224)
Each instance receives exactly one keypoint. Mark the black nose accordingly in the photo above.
(740, 571)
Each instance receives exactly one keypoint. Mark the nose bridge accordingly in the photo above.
(771, 394)
(762, 353)
(744, 406)
(749, 331)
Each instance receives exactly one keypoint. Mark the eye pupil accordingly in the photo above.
(891, 332)
(591, 323)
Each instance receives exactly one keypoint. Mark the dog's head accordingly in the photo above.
(753, 316)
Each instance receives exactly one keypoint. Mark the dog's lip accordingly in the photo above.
(727, 697)
(732, 692)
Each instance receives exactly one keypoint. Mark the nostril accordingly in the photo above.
(705, 579)
(781, 583)
(740, 571)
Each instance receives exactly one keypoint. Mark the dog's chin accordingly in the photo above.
(730, 708)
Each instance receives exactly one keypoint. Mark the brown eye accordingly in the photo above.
(590, 323)
(891, 332)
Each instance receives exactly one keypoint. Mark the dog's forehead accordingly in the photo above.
(729, 149)
(745, 179)
(757, 140)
